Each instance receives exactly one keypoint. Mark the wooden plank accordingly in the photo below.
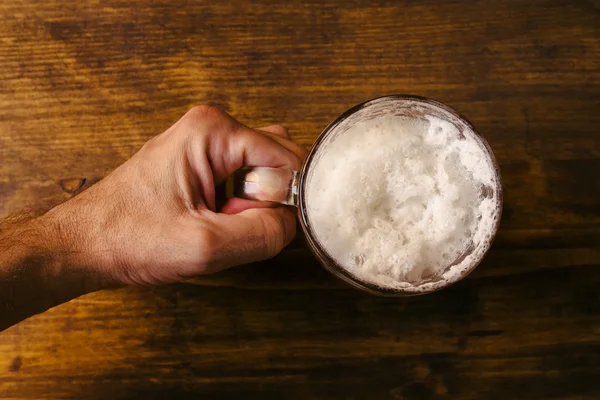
(84, 84)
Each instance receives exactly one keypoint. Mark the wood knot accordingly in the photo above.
(72, 185)
(15, 366)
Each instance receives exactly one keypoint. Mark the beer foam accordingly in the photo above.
(403, 202)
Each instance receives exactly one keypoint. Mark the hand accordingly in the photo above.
(155, 219)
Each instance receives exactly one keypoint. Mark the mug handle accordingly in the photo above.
(276, 185)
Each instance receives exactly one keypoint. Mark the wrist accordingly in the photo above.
(38, 270)
(66, 251)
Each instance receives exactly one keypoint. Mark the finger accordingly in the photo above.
(276, 130)
(236, 205)
(296, 148)
(228, 145)
(255, 234)
(245, 147)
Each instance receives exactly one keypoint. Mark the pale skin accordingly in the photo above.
(153, 220)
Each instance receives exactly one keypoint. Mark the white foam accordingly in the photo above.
(397, 200)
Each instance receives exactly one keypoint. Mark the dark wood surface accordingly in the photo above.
(84, 83)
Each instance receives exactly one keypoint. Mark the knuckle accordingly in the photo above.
(276, 131)
(204, 118)
(203, 111)
(280, 129)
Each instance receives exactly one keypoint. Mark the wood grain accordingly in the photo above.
(83, 84)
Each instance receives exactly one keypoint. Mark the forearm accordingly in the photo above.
(39, 268)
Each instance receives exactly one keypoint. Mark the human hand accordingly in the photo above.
(155, 218)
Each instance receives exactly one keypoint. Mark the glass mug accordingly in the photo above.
(288, 187)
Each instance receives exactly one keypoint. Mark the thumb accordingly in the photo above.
(256, 234)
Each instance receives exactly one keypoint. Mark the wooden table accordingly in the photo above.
(84, 83)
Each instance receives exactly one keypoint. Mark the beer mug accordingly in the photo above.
(289, 187)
